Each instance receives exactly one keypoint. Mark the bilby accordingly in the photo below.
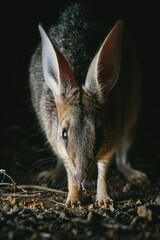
(85, 89)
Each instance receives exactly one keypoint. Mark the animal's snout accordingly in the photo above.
(80, 177)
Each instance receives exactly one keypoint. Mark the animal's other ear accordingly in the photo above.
(104, 69)
(57, 72)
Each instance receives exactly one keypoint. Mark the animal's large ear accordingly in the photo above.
(104, 69)
(57, 72)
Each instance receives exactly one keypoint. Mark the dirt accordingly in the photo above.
(32, 212)
(30, 209)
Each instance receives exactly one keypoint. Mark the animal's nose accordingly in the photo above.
(79, 177)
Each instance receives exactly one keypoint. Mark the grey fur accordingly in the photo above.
(96, 127)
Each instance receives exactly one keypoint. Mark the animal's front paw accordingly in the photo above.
(73, 200)
(104, 201)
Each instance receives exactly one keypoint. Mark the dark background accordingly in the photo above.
(19, 37)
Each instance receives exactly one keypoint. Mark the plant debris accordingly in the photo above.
(32, 210)
(37, 212)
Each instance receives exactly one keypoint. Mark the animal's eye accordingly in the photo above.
(65, 134)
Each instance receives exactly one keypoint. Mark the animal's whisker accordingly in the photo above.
(44, 160)
(45, 176)
(62, 181)
(53, 176)
(41, 163)
(37, 151)
(38, 165)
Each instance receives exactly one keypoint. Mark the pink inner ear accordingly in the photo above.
(66, 73)
(109, 60)
(104, 68)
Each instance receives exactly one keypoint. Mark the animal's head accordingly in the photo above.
(80, 109)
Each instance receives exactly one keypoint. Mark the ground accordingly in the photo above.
(30, 210)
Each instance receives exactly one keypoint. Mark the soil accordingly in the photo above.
(30, 209)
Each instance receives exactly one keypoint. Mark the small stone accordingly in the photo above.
(6, 207)
(127, 188)
(143, 212)
(130, 203)
(157, 200)
(40, 216)
(91, 207)
(139, 202)
(63, 216)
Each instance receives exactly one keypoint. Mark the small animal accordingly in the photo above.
(85, 84)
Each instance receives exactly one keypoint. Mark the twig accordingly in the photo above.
(21, 195)
(42, 188)
(6, 184)
(116, 226)
(57, 202)
(3, 172)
